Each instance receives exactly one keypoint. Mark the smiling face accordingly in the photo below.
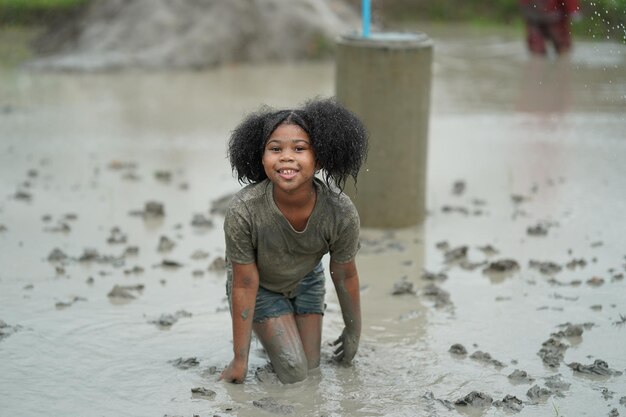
(288, 159)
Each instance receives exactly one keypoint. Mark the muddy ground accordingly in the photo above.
(508, 299)
(191, 34)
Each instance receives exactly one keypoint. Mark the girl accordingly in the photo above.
(279, 226)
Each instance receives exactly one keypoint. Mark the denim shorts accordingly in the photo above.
(308, 298)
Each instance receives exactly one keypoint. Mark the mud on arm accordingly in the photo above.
(346, 281)
(244, 290)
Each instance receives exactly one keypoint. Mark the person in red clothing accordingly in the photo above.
(549, 20)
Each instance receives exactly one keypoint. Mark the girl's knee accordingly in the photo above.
(290, 369)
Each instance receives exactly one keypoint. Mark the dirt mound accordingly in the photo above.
(116, 34)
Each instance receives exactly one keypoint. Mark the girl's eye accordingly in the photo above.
(274, 149)
(300, 148)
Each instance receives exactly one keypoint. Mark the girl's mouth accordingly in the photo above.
(287, 173)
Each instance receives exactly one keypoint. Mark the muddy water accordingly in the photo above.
(86, 149)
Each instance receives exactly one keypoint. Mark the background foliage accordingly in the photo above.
(601, 19)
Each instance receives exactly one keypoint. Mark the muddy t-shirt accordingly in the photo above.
(257, 232)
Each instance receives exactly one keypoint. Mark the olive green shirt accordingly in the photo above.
(257, 232)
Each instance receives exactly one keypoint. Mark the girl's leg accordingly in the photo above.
(281, 339)
(310, 330)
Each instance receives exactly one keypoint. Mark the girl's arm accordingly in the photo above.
(346, 280)
(243, 295)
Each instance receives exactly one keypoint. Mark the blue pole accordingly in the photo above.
(366, 16)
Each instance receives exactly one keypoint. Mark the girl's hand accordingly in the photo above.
(235, 372)
(348, 345)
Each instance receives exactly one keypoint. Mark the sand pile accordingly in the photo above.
(116, 34)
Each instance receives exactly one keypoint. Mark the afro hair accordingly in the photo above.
(338, 138)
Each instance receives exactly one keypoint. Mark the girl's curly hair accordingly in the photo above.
(338, 138)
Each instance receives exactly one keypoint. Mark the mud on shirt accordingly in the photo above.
(257, 232)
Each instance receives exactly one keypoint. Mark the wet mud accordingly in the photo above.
(506, 297)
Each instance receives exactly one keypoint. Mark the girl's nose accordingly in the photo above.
(286, 156)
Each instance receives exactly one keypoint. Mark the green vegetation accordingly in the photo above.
(36, 12)
(601, 19)
(14, 45)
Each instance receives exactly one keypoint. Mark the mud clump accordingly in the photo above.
(537, 230)
(520, 377)
(186, 363)
(200, 221)
(572, 330)
(502, 266)
(220, 205)
(57, 255)
(458, 349)
(429, 396)
(152, 210)
(434, 276)
(271, 405)
(168, 320)
(457, 254)
(552, 352)
(485, 357)
(598, 367)
(199, 254)
(458, 188)
(545, 267)
(116, 237)
(218, 265)
(125, 291)
(65, 304)
(169, 264)
(203, 393)
(537, 394)
(7, 330)
(557, 385)
(177, 34)
(474, 399)
(165, 244)
(576, 263)
(440, 296)
(488, 250)
(510, 403)
(402, 287)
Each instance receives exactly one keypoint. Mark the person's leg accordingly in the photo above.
(561, 36)
(309, 313)
(281, 339)
(535, 39)
(310, 329)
